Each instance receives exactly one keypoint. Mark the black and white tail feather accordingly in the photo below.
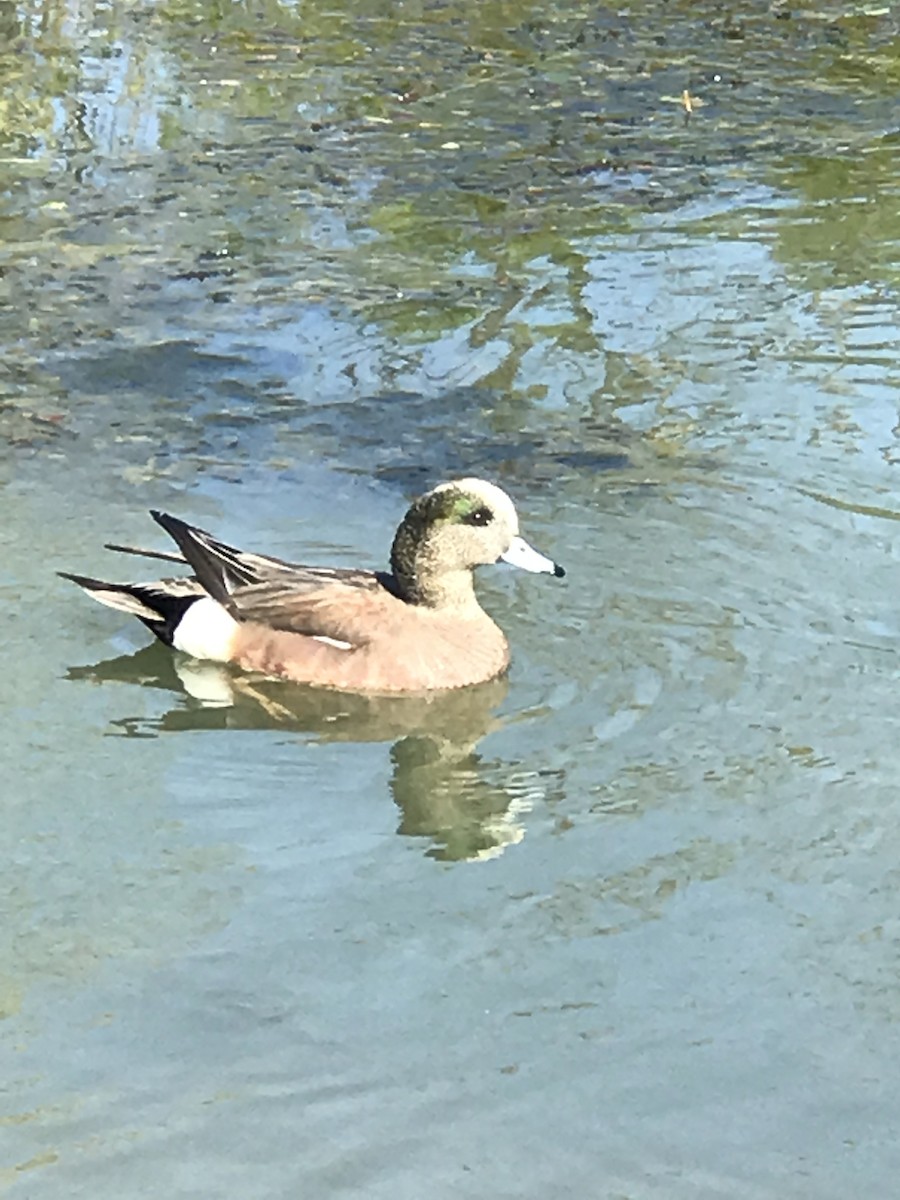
(161, 605)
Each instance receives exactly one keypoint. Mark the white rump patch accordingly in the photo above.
(206, 631)
(321, 637)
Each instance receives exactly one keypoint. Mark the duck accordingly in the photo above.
(417, 627)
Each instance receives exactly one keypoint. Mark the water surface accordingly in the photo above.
(622, 925)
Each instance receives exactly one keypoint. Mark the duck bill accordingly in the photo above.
(520, 554)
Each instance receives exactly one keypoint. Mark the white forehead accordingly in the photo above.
(488, 494)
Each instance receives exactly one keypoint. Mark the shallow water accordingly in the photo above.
(622, 925)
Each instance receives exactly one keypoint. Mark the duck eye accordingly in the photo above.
(480, 517)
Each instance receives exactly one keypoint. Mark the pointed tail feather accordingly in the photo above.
(142, 552)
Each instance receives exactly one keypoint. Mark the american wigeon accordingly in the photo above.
(418, 627)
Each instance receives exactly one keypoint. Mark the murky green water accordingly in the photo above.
(622, 926)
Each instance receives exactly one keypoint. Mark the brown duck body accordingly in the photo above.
(375, 641)
(416, 628)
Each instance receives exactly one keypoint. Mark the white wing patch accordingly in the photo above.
(338, 645)
(206, 631)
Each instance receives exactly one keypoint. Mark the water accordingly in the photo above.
(620, 926)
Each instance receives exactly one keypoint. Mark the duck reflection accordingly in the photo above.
(465, 806)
